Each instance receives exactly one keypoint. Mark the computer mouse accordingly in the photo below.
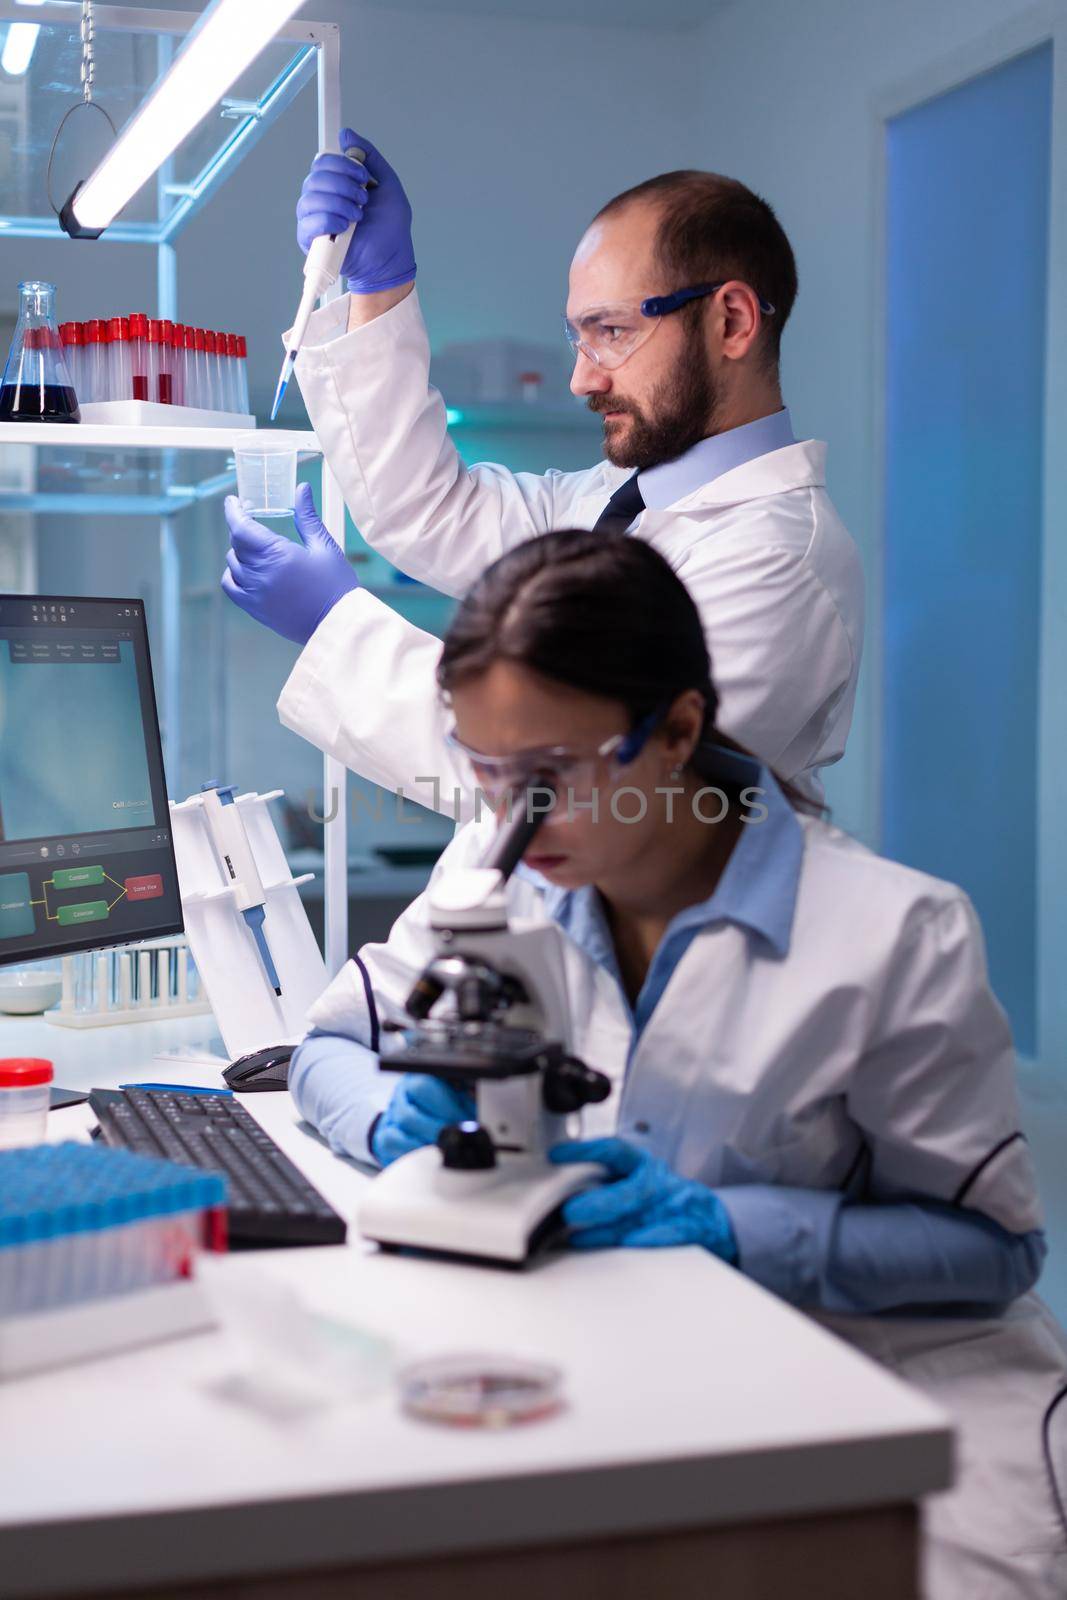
(260, 1070)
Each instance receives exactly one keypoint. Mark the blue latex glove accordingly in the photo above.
(421, 1106)
(286, 584)
(645, 1206)
(335, 194)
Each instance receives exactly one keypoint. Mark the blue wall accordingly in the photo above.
(968, 198)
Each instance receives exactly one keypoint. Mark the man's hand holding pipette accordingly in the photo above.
(286, 584)
(335, 213)
(335, 195)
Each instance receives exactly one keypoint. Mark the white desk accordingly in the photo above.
(711, 1433)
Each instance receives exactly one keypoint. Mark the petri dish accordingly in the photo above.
(476, 1390)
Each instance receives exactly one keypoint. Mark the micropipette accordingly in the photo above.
(321, 268)
(230, 840)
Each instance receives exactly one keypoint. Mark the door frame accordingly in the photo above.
(1039, 24)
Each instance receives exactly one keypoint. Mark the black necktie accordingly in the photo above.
(625, 504)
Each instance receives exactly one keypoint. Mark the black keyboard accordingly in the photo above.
(269, 1201)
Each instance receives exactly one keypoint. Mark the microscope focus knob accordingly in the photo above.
(466, 1147)
(570, 1085)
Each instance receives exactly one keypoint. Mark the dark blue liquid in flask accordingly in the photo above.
(37, 386)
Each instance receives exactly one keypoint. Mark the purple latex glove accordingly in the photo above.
(287, 584)
(645, 1206)
(335, 194)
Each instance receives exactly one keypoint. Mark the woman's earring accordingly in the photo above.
(676, 772)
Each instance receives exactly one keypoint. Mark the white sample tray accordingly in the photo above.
(150, 414)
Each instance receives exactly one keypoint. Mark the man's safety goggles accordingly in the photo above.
(609, 335)
(568, 771)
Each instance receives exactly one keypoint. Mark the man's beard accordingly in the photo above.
(680, 413)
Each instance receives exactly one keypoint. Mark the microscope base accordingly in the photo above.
(496, 1215)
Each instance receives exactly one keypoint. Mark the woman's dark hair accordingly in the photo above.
(599, 612)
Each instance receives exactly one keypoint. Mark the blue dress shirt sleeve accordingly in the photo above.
(816, 1249)
(340, 1089)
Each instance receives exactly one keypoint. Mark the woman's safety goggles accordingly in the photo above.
(609, 335)
(571, 773)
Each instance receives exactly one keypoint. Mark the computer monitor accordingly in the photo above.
(86, 855)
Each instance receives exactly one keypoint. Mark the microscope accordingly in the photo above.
(488, 1013)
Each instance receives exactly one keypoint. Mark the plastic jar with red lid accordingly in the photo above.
(24, 1086)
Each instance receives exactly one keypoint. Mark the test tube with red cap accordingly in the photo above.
(213, 385)
(165, 380)
(222, 357)
(233, 348)
(155, 341)
(203, 386)
(177, 364)
(95, 375)
(242, 375)
(139, 355)
(228, 363)
(222, 369)
(189, 390)
(70, 334)
(119, 359)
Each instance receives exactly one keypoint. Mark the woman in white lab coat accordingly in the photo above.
(811, 1076)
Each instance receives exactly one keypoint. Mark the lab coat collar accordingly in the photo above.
(796, 466)
(712, 458)
(757, 890)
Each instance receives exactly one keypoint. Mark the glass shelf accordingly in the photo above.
(130, 56)
(124, 473)
(88, 469)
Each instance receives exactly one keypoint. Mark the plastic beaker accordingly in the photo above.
(266, 473)
(37, 385)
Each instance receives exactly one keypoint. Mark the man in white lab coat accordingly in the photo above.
(679, 291)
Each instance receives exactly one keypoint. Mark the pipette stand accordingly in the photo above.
(248, 1013)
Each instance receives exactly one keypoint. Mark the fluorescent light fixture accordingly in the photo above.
(226, 40)
(19, 46)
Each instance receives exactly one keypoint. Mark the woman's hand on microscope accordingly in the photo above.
(643, 1205)
(421, 1106)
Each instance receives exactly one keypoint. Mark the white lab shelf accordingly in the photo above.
(108, 436)
(154, 466)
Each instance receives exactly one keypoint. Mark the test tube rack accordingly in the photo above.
(150, 414)
(99, 1252)
(149, 982)
(47, 1339)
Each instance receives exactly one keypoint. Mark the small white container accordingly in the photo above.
(266, 474)
(24, 1085)
(27, 994)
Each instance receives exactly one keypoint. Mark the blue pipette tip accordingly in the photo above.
(255, 917)
(283, 383)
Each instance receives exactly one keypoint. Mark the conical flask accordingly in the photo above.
(36, 386)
